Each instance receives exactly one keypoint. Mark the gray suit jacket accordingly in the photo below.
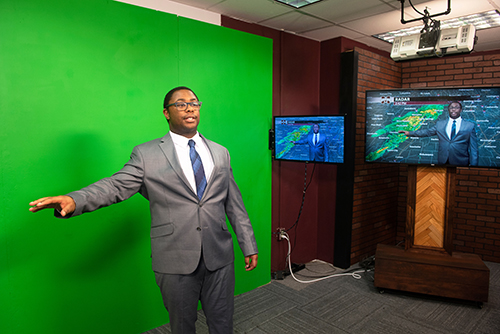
(462, 150)
(181, 225)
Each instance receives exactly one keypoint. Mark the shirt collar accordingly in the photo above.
(183, 141)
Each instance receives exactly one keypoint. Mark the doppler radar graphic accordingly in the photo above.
(388, 114)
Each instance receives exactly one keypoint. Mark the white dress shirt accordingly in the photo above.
(182, 150)
(450, 124)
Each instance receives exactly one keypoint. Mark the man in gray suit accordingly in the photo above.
(457, 138)
(192, 248)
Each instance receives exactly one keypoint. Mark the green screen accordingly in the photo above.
(82, 83)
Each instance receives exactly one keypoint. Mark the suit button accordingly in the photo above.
(198, 228)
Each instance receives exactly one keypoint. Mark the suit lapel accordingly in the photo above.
(441, 128)
(465, 126)
(216, 158)
(168, 148)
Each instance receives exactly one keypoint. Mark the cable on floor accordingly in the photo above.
(355, 274)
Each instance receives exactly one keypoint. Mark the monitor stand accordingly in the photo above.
(427, 263)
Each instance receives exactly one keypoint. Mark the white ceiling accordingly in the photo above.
(354, 19)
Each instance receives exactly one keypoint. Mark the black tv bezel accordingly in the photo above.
(272, 137)
(420, 89)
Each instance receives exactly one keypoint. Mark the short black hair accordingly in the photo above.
(460, 104)
(172, 91)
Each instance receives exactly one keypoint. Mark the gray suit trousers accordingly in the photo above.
(215, 290)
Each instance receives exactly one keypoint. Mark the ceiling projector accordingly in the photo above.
(434, 43)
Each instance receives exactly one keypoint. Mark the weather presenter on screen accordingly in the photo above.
(318, 144)
(457, 138)
(309, 138)
(457, 126)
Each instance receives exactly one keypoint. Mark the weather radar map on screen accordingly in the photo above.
(424, 114)
(309, 138)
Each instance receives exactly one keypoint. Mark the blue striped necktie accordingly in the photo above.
(453, 129)
(199, 172)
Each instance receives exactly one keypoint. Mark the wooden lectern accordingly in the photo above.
(427, 263)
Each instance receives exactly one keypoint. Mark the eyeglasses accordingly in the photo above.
(183, 105)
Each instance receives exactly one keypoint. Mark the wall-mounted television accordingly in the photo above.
(309, 138)
(447, 126)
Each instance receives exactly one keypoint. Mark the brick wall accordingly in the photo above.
(377, 190)
(460, 70)
(379, 212)
(476, 223)
(477, 219)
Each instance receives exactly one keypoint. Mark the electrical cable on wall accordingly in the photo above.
(282, 231)
(306, 186)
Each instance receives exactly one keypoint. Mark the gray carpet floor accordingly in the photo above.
(344, 304)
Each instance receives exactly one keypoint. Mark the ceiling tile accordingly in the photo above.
(377, 24)
(254, 11)
(295, 22)
(375, 43)
(333, 30)
(487, 39)
(338, 11)
(354, 19)
(205, 4)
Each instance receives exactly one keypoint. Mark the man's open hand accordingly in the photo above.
(64, 204)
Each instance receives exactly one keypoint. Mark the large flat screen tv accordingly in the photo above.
(309, 138)
(415, 126)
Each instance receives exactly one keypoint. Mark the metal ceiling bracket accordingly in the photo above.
(448, 11)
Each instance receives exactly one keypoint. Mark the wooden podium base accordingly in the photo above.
(460, 275)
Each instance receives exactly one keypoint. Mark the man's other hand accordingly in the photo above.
(251, 262)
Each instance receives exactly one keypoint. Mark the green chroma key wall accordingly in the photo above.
(82, 83)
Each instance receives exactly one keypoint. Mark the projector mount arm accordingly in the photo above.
(431, 30)
(425, 17)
